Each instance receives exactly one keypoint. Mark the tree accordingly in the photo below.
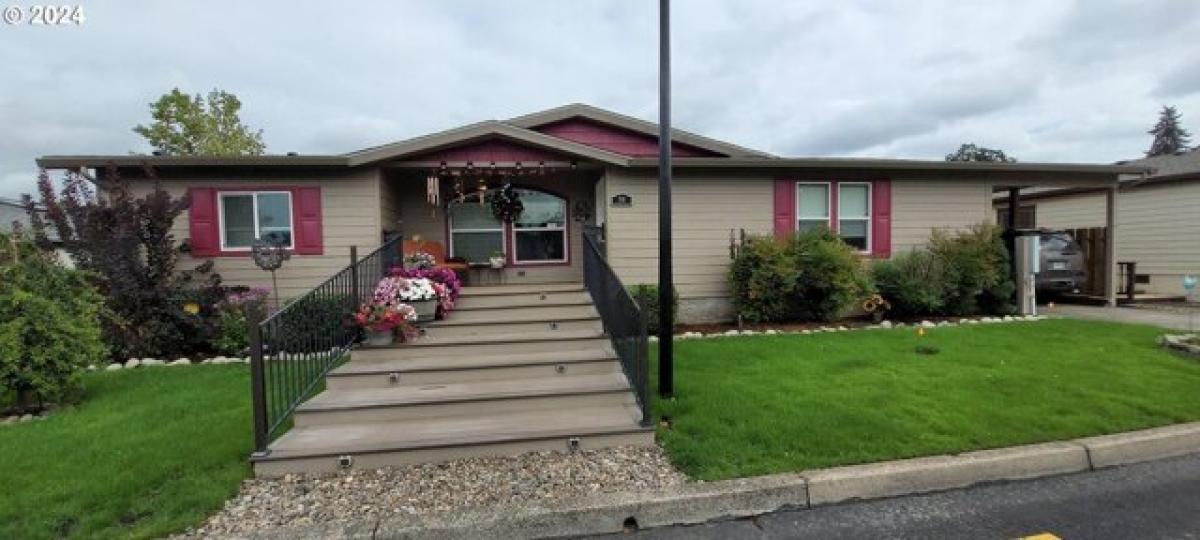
(126, 243)
(970, 152)
(1169, 136)
(49, 325)
(191, 126)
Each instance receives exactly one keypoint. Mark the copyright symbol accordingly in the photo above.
(13, 15)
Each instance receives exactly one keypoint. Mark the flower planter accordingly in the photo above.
(383, 338)
(496, 263)
(426, 309)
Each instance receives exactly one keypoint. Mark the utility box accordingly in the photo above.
(1027, 251)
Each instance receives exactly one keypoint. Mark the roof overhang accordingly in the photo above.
(99, 162)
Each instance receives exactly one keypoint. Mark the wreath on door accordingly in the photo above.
(506, 204)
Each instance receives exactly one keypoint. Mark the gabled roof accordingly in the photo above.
(603, 116)
(1170, 164)
(478, 132)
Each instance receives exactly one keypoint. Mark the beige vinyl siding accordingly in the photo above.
(706, 207)
(1072, 212)
(919, 206)
(350, 217)
(1156, 227)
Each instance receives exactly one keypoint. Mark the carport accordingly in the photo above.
(1008, 194)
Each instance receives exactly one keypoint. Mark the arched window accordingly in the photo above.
(540, 233)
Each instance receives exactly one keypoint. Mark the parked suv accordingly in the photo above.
(1061, 263)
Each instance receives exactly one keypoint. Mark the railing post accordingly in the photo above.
(258, 379)
(354, 285)
(643, 358)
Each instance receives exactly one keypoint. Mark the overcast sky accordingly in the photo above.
(1044, 80)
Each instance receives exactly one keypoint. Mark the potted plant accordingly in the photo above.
(420, 260)
(381, 320)
(496, 260)
(421, 295)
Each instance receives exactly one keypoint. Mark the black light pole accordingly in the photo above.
(666, 287)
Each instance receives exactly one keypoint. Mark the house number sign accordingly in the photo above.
(622, 200)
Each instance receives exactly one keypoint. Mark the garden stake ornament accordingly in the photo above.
(269, 256)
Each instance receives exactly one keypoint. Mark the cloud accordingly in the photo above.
(1051, 81)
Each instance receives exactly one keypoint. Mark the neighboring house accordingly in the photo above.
(576, 166)
(13, 211)
(1158, 217)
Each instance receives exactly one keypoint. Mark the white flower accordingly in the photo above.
(419, 289)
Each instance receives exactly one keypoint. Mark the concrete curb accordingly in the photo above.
(746, 497)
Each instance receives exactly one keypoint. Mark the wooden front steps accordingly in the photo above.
(514, 369)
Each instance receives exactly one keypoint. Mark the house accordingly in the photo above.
(555, 357)
(573, 167)
(13, 215)
(1156, 214)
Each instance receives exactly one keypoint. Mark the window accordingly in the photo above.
(540, 233)
(475, 234)
(854, 214)
(255, 215)
(812, 206)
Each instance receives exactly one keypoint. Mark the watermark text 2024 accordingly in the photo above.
(44, 15)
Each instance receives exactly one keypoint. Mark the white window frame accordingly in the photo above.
(828, 217)
(450, 218)
(254, 210)
(870, 218)
(563, 229)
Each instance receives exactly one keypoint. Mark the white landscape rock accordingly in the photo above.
(842, 329)
(885, 324)
(944, 323)
(731, 332)
(112, 367)
(927, 324)
(653, 339)
(10, 420)
(132, 363)
(152, 362)
(26, 418)
(806, 331)
(771, 332)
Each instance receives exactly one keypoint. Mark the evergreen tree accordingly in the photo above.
(1169, 136)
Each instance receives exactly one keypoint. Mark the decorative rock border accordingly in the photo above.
(1185, 344)
(884, 325)
(151, 362)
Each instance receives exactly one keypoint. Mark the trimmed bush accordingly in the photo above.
(49, 326)
(811, 276)
(913, 283)
(977, 270)
(646, 295)
(964, 273)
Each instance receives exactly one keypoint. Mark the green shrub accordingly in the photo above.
(811, 276)
(646, 296)
(830, 276)
(963, 273)
(912, 283)
(976, 263)
(49, 325)
(759, 279)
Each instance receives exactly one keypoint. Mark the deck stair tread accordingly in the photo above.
(470, 339)
(464, 307)
(524, 289)
(531, 315)
(459, 392)
(471, 361)
(356, 438)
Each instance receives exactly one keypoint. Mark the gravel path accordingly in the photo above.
(439, 487)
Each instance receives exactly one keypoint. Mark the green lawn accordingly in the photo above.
(767, 404)
(146, 453)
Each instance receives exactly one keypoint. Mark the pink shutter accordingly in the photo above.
(202, 222)
(307, 223)
(881, 222)
(785, 208)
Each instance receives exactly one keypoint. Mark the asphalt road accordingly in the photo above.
(1150, 500)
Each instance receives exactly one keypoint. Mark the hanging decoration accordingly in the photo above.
(507, 205)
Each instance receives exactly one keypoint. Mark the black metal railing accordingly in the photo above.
(624, 320)
(292, 349)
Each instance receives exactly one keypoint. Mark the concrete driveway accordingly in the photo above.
(1174, 317)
